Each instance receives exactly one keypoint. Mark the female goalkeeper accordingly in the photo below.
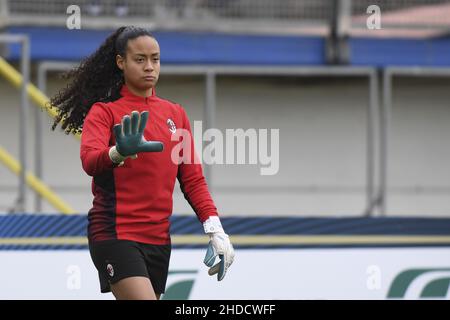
(127, 140)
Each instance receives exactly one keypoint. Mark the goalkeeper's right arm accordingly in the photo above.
(96, 153)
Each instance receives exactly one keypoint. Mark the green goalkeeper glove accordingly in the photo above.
(130, 138)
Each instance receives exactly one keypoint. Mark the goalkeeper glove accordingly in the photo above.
(219, 245)
(130, 138)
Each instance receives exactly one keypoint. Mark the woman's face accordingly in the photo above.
(140, 65)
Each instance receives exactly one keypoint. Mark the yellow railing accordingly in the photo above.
(40, 99)
(40, 187)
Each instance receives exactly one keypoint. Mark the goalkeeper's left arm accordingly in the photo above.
(195, 189)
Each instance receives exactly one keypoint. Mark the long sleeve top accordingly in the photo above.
(134, 201)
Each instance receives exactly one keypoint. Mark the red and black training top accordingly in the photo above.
(134, 201)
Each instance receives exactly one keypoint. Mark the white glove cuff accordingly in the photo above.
(212, 225)
(115, 156)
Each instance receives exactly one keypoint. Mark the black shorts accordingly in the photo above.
(119, 259)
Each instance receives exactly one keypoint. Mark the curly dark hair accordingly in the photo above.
(96, 79)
